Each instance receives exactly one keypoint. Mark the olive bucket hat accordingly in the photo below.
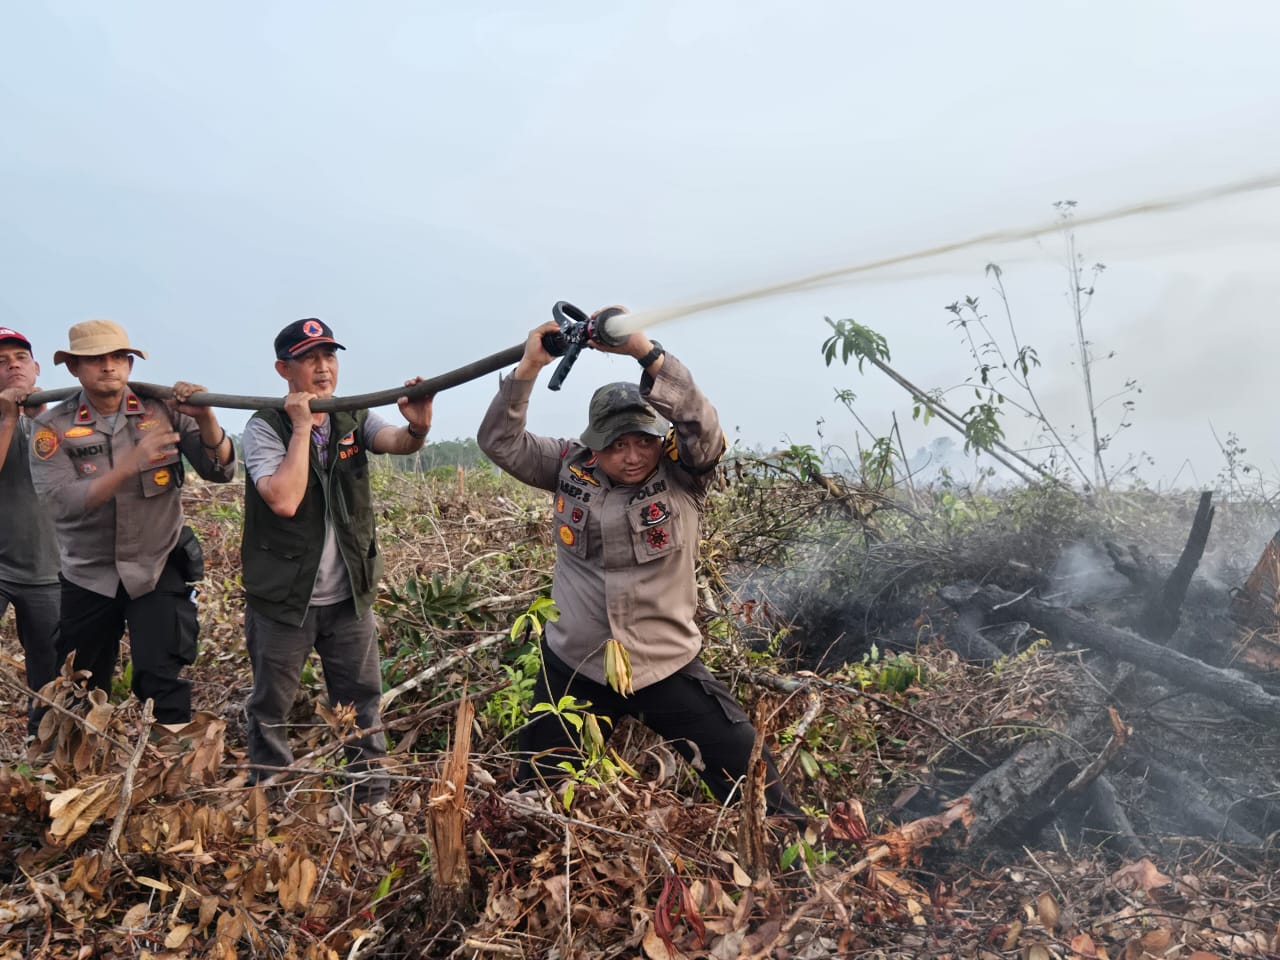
(618, 408)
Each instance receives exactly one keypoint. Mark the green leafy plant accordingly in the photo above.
(804, 852)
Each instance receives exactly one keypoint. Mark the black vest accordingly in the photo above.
(281, 555)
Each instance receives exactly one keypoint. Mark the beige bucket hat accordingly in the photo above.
(93, 338)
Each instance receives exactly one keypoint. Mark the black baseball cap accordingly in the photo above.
(304, 335)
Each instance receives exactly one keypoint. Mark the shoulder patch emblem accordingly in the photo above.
(44, 443)
(567, 536)
(83, 415)
(132, 404)
(669, 446)
(78, 432)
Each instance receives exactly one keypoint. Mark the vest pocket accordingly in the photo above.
(655, 529)
(285, 567)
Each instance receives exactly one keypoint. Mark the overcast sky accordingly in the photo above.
(430, 178)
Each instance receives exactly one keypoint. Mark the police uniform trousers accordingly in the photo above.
(163, 628)
(348, 649)
(688, 708)
(35, 610)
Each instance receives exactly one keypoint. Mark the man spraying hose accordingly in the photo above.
(628, 498)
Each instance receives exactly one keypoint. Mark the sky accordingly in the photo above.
(429, 179)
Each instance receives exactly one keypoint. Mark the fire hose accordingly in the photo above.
(577, 330)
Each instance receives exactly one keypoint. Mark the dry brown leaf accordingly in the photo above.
(1142, 875)
(1047, 911)
(208, 909)
(177, 936)
(655, 949)
(1011, 937)
(1083, 945)
(1037, 952)
(133, 917)
(740, 876)
(1202, 955)
(1157, 941)
(306, 881)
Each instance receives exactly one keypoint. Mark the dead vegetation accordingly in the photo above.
(1139, 823)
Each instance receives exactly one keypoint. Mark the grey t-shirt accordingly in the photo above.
(263, 453)
(28, 543)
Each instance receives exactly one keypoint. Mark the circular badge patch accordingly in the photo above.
(44, 443)
(567, 536)
(161, 477)
(312, 328)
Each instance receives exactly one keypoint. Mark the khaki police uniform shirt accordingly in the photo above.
(128, 539)
(625, 553)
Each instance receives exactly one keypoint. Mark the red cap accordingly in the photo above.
(8, 333)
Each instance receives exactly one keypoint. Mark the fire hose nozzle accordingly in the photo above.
(598, 328)
(576, 331)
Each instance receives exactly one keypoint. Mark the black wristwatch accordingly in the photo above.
(647, 360)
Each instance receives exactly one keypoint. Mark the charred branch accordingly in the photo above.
(1068, 626)
(1164, 595)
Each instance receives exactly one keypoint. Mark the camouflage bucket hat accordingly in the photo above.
(618, 408)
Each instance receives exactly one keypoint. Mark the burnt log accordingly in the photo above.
(1189, 805)
(1067, 626)
(965, 638)
(1164, 595)
(1106, 818)
(1026, 787)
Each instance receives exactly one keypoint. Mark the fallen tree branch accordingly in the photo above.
(1068, 626)
(423, 676)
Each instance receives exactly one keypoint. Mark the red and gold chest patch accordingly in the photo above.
(654, 514)
(44, 443)
(567, 536)
(148, 423)
(78, 432)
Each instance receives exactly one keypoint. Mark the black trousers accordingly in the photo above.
(162, 637)
(692, 709)
(35, 608)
